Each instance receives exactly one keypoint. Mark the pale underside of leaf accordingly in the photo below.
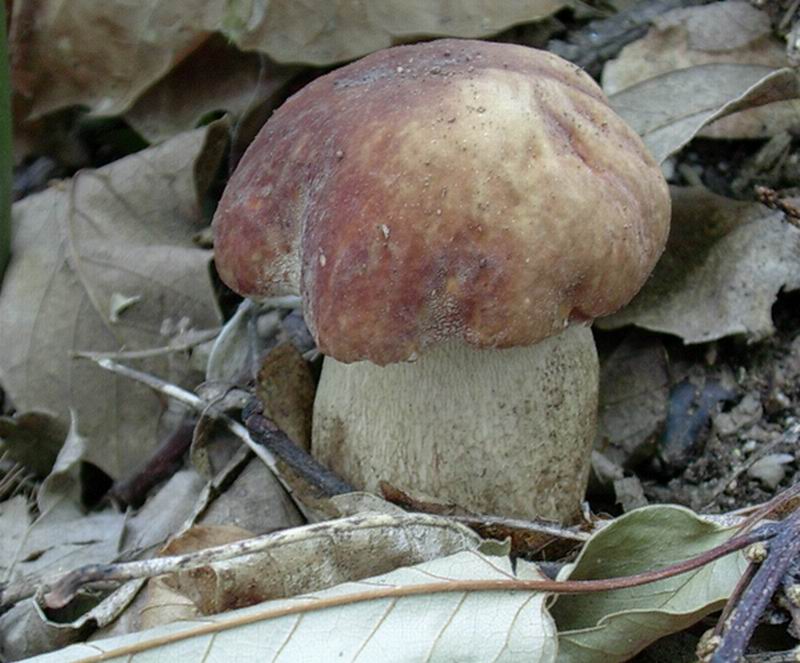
(614, 626)
(667, 111)
(459, 626)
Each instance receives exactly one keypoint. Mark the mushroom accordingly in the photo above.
(454, 214)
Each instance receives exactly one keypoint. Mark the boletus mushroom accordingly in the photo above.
(454, 214)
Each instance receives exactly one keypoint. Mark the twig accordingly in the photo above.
(195, 339)
(779, 506)
(199, 405)
(325, 482)
(789, 656)
(528, 537)
(734, 598)
(61, 591)
(461, 586)
(161, 465)
(771, 199)
(782, 551)
(791, 437)
(601, 40)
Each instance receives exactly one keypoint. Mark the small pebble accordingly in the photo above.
(770, 470)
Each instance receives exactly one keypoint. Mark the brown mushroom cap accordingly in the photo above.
(454, 189)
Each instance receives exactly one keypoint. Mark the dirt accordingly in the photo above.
(748, 449)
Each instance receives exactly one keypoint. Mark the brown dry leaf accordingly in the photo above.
(255, 501)
(724, 264)
(102, 55)
(723, 32)
(215, 77)
(634, 386)
(667, 111)
(339, 30)
(105, 55)
(286, 389)
(64, 536)
(126, 228)
(32, 439)
(310, 558)
(162, 603)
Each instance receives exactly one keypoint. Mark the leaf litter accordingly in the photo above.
(699, 71)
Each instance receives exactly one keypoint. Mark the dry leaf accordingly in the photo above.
(469, 627)
(340, 30)
(724, 264)
(100, 55)
(106, 55)
(314, 557)
(634, 386)
(61, 538)
(215, 77)
(32, 439)
(614, 626)
(722, 32)
(15, 519)
(667, 111)
(255, 501)
(286, 388)
(164, 513)
(26, 631)
(128, 228)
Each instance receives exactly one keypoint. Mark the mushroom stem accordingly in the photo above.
(495, 431)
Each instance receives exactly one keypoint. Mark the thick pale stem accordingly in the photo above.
(496, 431)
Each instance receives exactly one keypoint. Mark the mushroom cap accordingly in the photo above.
(454, 189)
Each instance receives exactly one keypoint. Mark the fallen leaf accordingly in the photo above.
(314, 557)
(724, 264)
(231, 351)
(505, 627)
(164, 513)
(32, 439)
(214, 77)
(105, 56)
(634, 386)
(324, 34)
(667, 111)
(127, 228)
(26, 631)
(721, 32)
(614, 626)
(255, 501)
(63, 536)
(15, 519)
(99, 55)
(286, 388)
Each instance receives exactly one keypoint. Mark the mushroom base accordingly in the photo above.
(505, 432)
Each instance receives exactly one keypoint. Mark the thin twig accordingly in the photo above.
(790, 437)
(590, 46)
(782, 551)
(195, 339)
(772, 508)
(460, 586)
(313, 473)
(201, 406)
(771, 199)
(161, 464)
(528, 537)
(64, 588)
